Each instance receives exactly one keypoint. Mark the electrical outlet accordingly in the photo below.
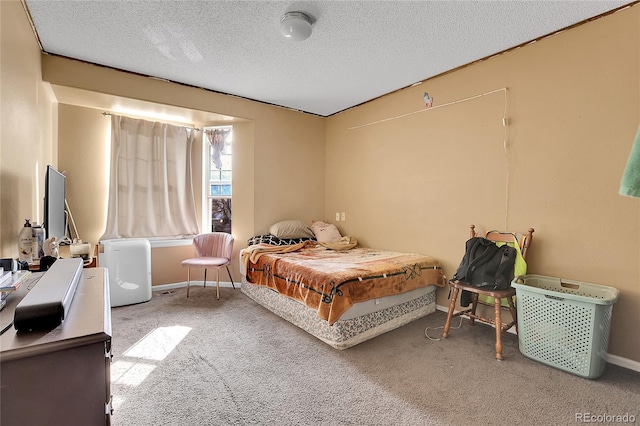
(337, 217)
(343, 216)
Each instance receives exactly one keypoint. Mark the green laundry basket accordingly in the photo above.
(564, 323)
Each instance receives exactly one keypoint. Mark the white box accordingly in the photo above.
(128, 262)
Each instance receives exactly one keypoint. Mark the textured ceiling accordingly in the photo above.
(359, 50)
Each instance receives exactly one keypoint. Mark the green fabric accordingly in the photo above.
(630, 184)
(520, 266)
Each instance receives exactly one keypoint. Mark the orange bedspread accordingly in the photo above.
(331, 281)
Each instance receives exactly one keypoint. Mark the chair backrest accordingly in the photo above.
(214, 244)
(524, 240)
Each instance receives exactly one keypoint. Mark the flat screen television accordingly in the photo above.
(55, 214)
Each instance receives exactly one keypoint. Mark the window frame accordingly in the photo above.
(208, 182)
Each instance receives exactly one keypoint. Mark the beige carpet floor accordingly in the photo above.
(202, 361)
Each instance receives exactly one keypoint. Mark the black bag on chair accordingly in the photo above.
(485, 265)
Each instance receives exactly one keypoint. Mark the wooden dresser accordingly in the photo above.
(61, 376)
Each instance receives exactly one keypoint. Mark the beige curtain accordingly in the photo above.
(150, 187)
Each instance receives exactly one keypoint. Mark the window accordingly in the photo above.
(218, 190)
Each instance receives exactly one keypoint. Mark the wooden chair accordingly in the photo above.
(213, 250)
(524, 241)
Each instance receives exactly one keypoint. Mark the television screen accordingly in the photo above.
(55, 220)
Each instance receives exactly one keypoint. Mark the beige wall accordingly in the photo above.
(286, 147)
(83, 143)
(413, 183)
(27, 126)
(573, 107)
(278, 154)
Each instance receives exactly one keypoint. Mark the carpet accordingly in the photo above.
(203, 361)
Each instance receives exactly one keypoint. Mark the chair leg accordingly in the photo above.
(497, 302)
(514, 314)
(474, 306)
(218, 283)
(188, 280)
(205, 277)
(230, 277)
(452, 307)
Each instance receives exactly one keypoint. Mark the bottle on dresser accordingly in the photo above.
(38, 241)
(25, 243)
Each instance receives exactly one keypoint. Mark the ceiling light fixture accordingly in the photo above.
(295, 26)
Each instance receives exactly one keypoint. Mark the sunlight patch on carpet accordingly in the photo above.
(130, 373)
(159, 343)
(149, 350)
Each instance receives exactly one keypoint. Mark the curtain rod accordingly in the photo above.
(179, 124)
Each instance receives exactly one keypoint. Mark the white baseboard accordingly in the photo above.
(622, 362)
(611, 359)
(165, 287)
(442, 308)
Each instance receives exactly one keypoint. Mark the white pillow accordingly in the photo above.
(325, 232)
(291, 229)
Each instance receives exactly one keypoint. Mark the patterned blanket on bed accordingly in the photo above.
(331, 281)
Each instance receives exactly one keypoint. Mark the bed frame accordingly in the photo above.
(344, 333)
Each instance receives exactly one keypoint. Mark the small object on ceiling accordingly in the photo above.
(428, 101)
(295, 26)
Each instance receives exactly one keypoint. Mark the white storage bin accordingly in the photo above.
(564, 323)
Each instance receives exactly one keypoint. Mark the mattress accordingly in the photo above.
(361, 322)
(342, 297)
(331, 281)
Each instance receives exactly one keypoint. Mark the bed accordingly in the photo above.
(341, 296)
